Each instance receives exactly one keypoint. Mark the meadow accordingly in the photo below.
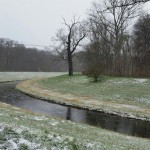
(128, 97)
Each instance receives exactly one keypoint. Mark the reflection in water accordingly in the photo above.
(9, 95)
(76, 115)
(119, 124)
(68, 114)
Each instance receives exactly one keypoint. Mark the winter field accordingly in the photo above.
(22, 130)
(128, 97)
(13, 76)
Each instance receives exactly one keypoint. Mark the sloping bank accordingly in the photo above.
(118, 96)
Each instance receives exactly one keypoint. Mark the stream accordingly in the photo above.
(9, 95)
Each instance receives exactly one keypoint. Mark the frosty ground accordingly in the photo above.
(20, 129)
(13, 76)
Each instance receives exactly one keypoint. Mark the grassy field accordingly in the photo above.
(13, 76)
(22, 130)
(122, 96)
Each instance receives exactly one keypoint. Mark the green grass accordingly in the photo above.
(12, 76)
(121, 90)
(122, 96)
(20, 129)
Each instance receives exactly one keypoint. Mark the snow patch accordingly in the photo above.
(38, 118)
(120, 82)
(145, 100)
(13, 144)
(54, 122)
(140, 80)
(30, 144)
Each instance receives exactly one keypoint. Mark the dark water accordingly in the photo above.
(133, 127)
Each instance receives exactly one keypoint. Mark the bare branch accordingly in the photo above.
(133, 2)
(77, 43)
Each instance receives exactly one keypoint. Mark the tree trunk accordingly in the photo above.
(95, 78)
(70, 65)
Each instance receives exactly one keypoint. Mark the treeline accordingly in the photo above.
(112, 49)
(16, 57)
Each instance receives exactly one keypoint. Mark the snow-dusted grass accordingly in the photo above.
(122, 90)
(22, 130)
(122, 96)
(12, 76)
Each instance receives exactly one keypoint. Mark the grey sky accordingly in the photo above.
(36, 21)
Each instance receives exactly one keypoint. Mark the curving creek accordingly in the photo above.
(9, 95)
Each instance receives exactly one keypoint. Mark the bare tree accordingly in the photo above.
(127, 4)
(67, 41)
(114, 22)
(141, 40)
(95, 62)
(101, 40)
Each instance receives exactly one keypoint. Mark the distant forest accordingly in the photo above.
(17, 57)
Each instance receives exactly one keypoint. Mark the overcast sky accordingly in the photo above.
(36, 21)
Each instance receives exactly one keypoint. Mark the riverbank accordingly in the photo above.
(127, 97)
(21, 129)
